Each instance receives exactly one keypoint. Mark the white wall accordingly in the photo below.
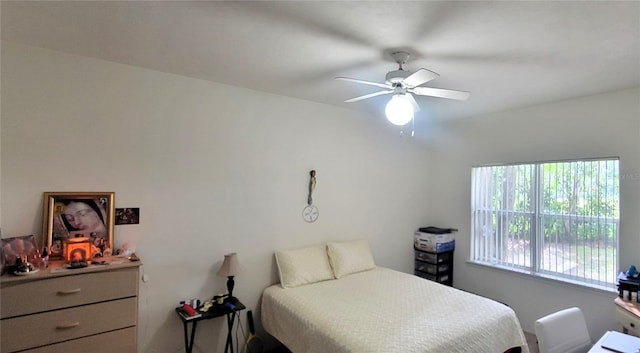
(213, 168)
(596, 126)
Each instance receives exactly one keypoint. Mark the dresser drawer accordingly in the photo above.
(628, 321)
(119, 341)
(20, 298)
(56, 326)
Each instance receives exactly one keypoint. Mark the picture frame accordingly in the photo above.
(70, 215)
(17, 247)
(128, 215)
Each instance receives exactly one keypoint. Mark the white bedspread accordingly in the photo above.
(387, 311)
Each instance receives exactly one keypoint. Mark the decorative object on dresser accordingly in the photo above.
(230, 268)
(77, 252)
(17, 250)
(58, 310)
(69, 215)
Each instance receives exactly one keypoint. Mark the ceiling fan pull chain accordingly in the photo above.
(413, 126)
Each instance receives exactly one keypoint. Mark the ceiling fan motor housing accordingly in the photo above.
(396, 76)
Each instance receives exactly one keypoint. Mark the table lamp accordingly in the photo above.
(230, 267)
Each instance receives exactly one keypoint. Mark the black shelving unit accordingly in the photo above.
(437, 267)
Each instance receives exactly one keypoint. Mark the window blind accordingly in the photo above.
(556, 219)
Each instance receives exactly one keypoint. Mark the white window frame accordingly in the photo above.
(499, 246)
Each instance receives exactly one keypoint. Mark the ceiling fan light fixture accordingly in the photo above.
(399, 110)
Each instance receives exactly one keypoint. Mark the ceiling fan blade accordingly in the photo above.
(419, 77)
(416, 107)
(382, 85)
(441, 93)
(374, 94)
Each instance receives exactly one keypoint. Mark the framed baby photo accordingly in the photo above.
(76, 216)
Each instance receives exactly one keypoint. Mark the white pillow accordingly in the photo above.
(302, 266)
(350, 257)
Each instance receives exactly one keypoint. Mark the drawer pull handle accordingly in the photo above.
(68, 326)
(66, 292)
(632, 324)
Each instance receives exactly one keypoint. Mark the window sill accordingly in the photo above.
(596, 289)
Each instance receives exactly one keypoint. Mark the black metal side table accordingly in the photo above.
(213, 312)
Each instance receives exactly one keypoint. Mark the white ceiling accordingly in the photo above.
(507, 54)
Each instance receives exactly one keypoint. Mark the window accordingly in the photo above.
(554, 219)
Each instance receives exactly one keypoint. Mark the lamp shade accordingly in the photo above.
(399, 110)
(230, 266)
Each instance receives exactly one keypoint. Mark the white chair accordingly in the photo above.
(564, 331)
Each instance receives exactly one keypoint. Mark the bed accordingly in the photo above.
(349, 304)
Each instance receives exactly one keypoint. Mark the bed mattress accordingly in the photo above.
(383, 310)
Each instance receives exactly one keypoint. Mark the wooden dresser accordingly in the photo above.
(628, 316)
(93, 309)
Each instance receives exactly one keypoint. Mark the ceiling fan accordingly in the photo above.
(403, 84)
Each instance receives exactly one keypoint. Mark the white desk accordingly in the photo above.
(597, 348)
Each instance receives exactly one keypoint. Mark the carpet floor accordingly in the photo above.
(532, 342)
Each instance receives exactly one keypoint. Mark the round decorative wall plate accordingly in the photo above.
(310, 213)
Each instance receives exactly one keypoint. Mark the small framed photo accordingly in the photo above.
(71, 215)
(127, 216)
